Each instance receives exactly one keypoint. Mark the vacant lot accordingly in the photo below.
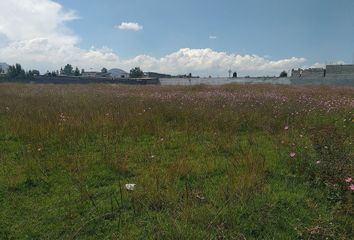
(231, 162)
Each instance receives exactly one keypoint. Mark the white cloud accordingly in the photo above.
(323, 65)
(317, 65)
(130, 26)
(39, 39)
(212, 37)
(207, 61)
(30, 19)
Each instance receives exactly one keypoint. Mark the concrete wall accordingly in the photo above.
(224, 80)
(308, 73)
(313, 72)
(296, 73)
(340, 69)
(342, 75)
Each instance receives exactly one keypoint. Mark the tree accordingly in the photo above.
(1, 70)
(16, 72)
(11, 72)
(35, 72)
(104, 70)
(68, 69)
(283, 74)
(77, 72)
(29, 74)
(136, 73)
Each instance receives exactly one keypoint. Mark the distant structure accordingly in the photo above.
(95, 75)
(118, 73)
(4, 67)
(230, 72)
(308, 73)
(331, 75)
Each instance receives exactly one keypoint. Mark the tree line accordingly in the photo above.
(17, 72)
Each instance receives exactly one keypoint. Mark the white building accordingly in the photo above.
(118, 73)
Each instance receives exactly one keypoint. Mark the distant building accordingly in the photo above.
(330, 70)
(311, 72)
(118, 73)
(95, 74)
(4, 67)
(331, 75)
(347, 69)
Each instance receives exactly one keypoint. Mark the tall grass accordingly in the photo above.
(230, 162)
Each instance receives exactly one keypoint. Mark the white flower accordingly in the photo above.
(130, 186)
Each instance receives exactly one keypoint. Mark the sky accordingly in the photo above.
(204, 37)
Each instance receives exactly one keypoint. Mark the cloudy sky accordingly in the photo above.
(205, 37)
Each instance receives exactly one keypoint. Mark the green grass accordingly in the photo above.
(208, 162)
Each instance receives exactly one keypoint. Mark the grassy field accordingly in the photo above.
(230, 162)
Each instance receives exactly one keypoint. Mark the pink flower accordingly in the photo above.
(286, 127)
(351, 187)
(318, 162)
(348, 180)
(292, 154)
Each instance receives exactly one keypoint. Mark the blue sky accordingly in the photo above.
(271, 35)
(320, 30)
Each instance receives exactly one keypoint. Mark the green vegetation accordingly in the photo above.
(77, 72)
(231, 162)
(17, 73)
(68, 70)
(283, 74)
(136, 73)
